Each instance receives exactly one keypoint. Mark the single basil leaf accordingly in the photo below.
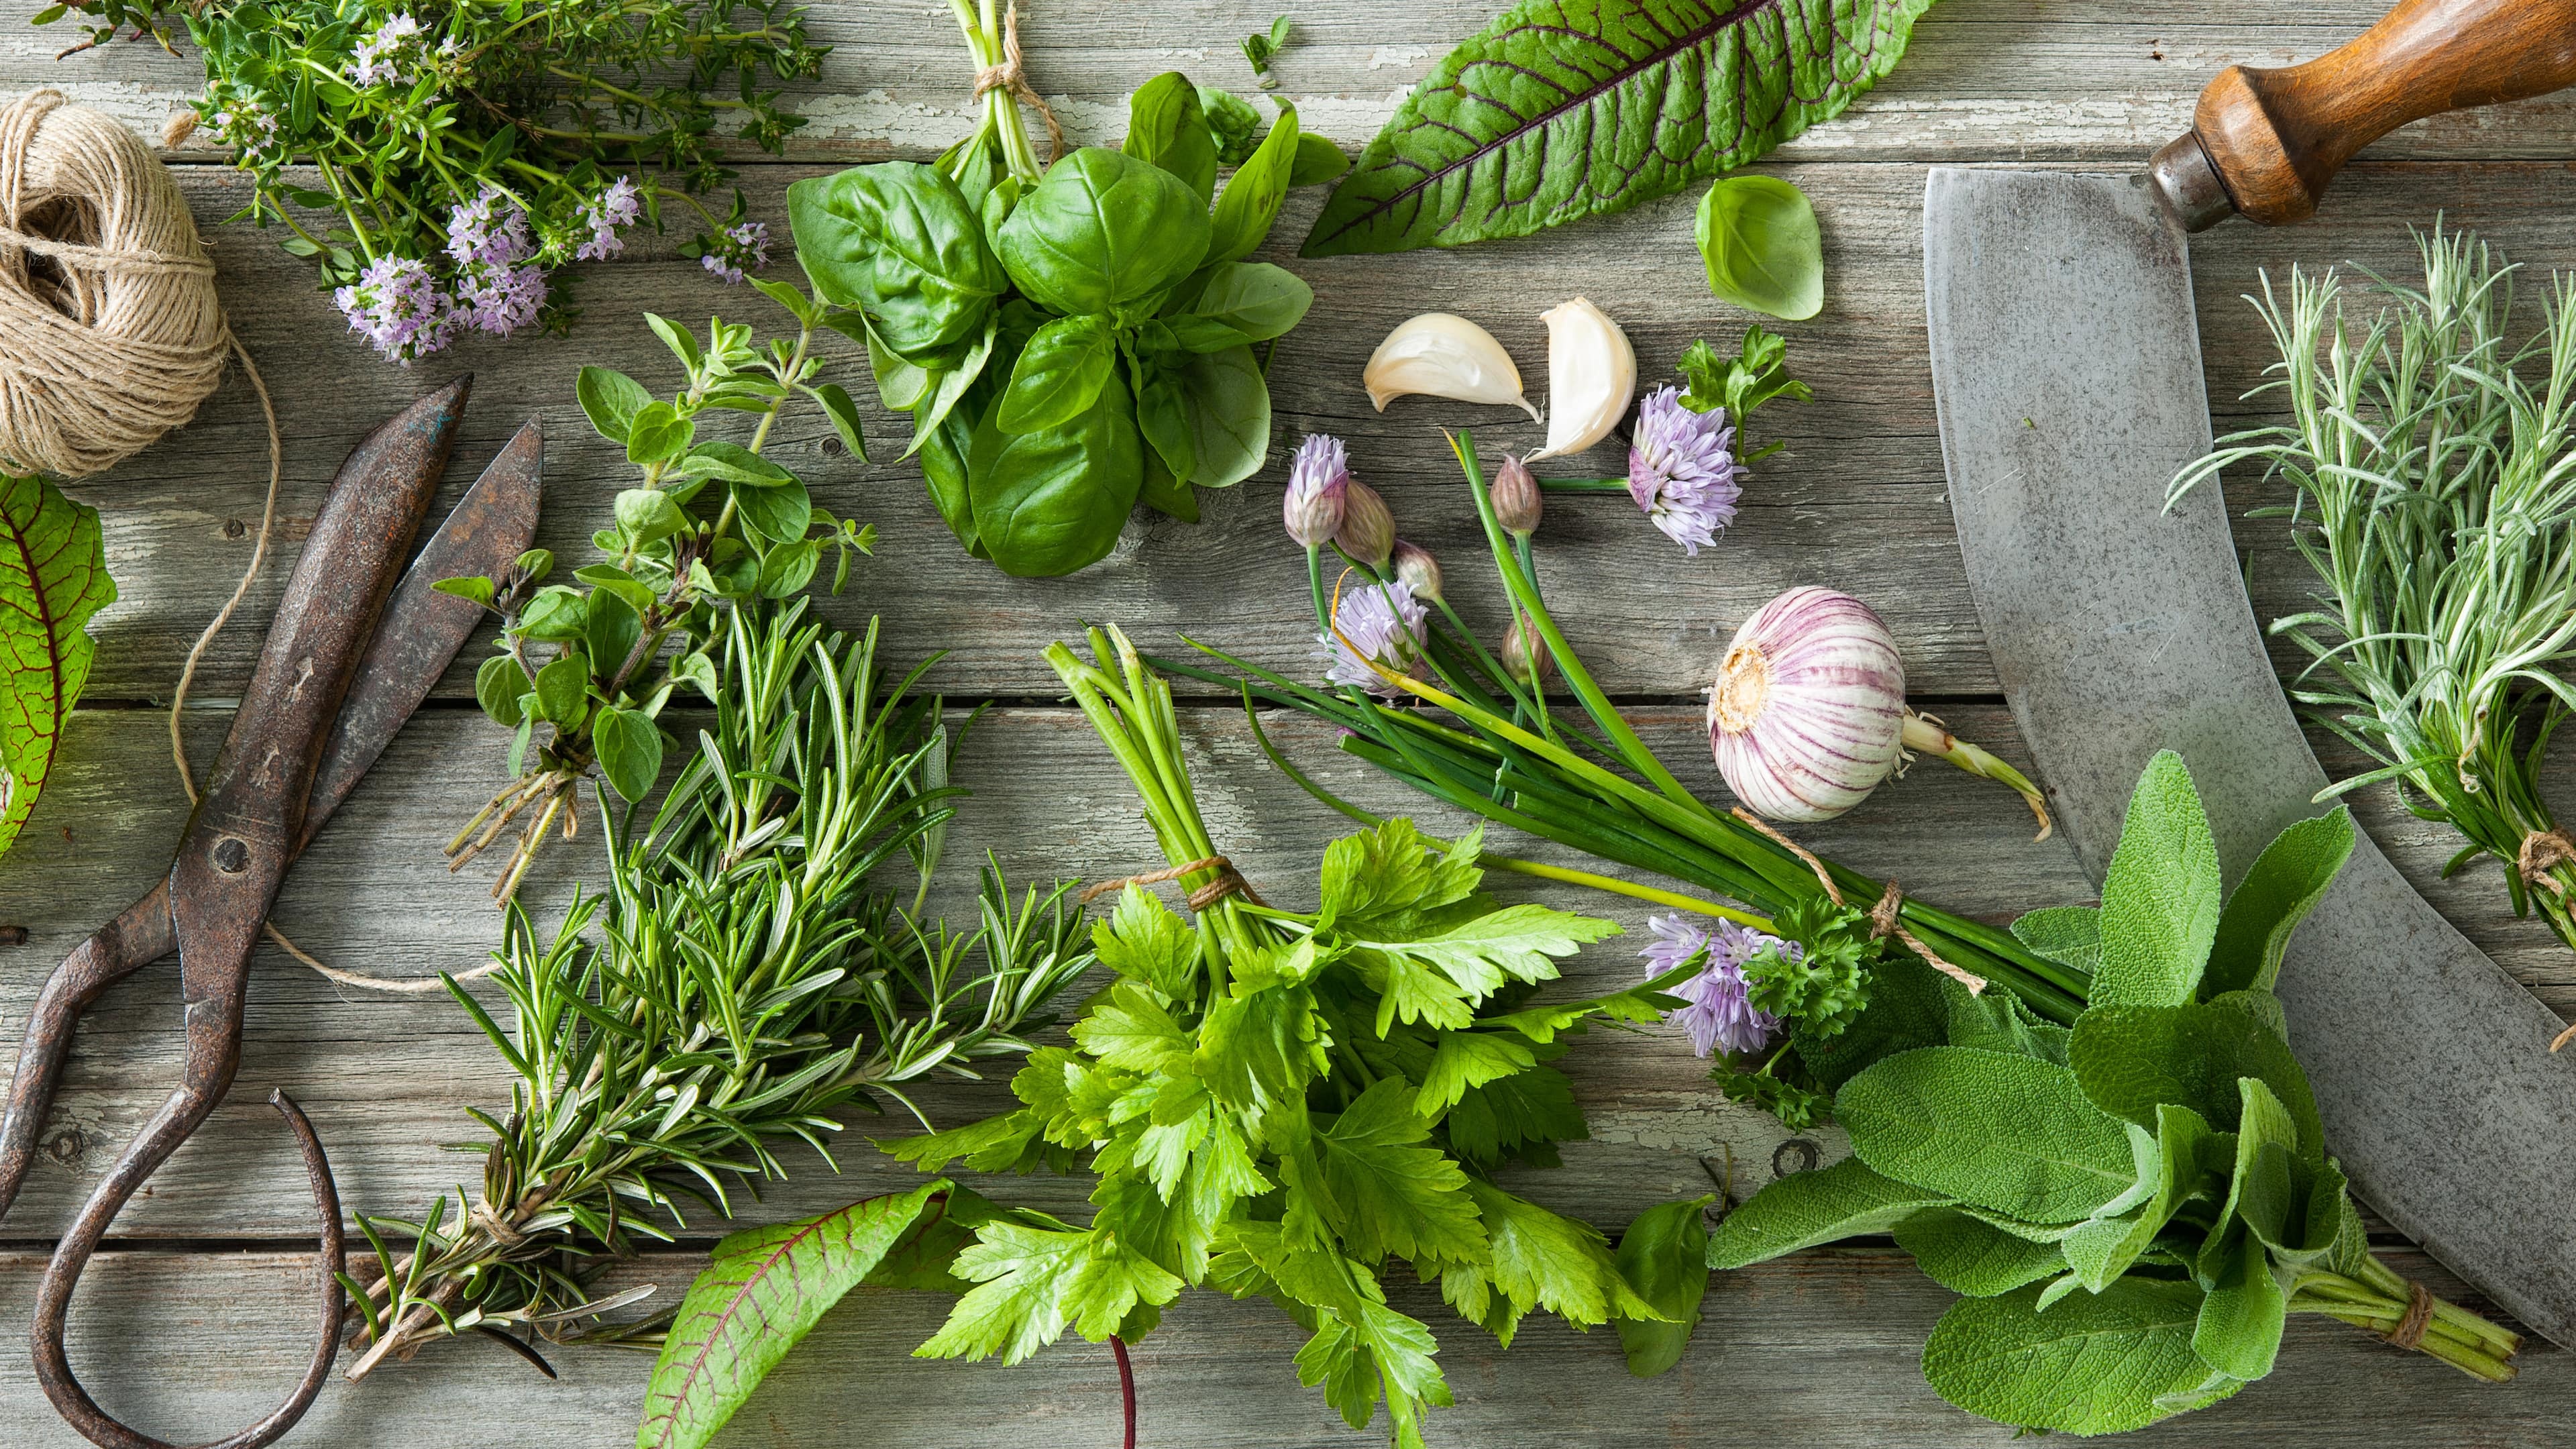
(943, 450)
(1060, 373)
(1804, 1209)
(2160, 898)
(953, 386)
(657, 434)
(612, 633)
(1195, 334)
(762, 1291)
(1553, 113)
(610, 399)
(898, 240)
(1163, 414)
(1318, 161)
(1254, 299)
(1165, 126)
(1233, 124)
(1165, 493)
(629, 746)
(901, 382)
(2092, 1364)
(780, 515)
(1052, 501)
(2009, 1133)
(2131, 1059)
(2067, 935)
(2286, 882)
(498, 685)
(1664, 1256)
(1969, 1256)
(1758, 237)
(563, 691)
(1250, 201)
(1103, 232)
(1228, 407)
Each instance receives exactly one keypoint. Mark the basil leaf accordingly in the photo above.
(1228, 407)
(630, 751)
(1757, 236)
(1664, 1256)
(1318, 161)
(1250, 201)
(1254, 300)
(1163, 414)
(1554, 113)
(610, 399)
(1166, 127)
(943, 451)
(1103, 232)
(898, 240)
(1060, 374)
(1165, 493)
(1052, 501)
(1232, 123)
(951, 385)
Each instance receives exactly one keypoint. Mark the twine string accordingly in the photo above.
(1883, 918)
(2409, 1332)
(1228, 882)
(1012, 76)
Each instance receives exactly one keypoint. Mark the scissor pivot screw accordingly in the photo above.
(231, 854)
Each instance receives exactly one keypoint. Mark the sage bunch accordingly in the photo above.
(2434, 463)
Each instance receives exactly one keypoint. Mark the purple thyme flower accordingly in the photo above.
(498, 288)
(1720, 1015)
(1682, 469)
(618, 206)
(377, 54)
(1317, 480)
(491, 230)
(397, 306)
(499, 300)
(1386, 625)
(244, 123)
(738, 249)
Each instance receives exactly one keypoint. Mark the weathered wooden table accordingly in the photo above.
(197, 1320)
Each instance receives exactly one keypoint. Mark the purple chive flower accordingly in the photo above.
(1720, 1015)
(1383, 622)
(397, 306)
(618, 206)
(378, 53)
(1317, 481)
(738, 249)
(1682, 469)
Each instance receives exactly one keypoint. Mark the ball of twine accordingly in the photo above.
(108, 316)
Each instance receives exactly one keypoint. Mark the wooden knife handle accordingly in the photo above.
(2277, 136)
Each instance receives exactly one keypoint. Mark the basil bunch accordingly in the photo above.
(1072, 343)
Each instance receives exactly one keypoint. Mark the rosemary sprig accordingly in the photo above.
(2436, 501)
(746, 988)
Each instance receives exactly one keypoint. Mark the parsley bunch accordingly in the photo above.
(1295, 1104)
(468, 148)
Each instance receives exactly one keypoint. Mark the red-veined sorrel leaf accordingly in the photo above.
(1571, 108)
(766, 1287)
(53, 576)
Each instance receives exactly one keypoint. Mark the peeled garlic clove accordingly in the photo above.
(1439, 355)
(1591, 375)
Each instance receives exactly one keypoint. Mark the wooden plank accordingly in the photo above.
(1858, 501)
(387, 1078)
(1984, 78)
(1824, 1345)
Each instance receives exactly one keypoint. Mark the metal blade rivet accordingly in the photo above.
(231, 854)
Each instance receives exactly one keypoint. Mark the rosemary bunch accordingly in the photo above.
(747, 987)
(2435, 468)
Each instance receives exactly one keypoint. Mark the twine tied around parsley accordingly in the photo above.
(1883, 920)
(1228, 882)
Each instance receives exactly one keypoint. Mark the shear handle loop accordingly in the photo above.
(176, 1119)
(142, 935)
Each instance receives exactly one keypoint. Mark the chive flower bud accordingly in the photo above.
(1368, 529)
(1418, 570)
(1515, 495)
(1519, 649)
(1316, 483)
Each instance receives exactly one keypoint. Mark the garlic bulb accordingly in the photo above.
(1808, 715)
(1591, 375)
(1439, 355)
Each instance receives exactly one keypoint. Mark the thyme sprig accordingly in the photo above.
(2435, 469)
(746, 988)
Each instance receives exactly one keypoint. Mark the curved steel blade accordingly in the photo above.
(2066, 371)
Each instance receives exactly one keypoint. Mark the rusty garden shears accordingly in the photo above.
(331, 689)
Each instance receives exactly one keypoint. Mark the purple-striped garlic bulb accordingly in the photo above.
(1808, 713)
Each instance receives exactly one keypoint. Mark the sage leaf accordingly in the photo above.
(764, 1290)
(2093, 1364)
(2238, 1332)
(2010, 1133)
(2187, 1160)
(2286, 882)
(1664, 1257)
(2067, 935)
(2160, 898)
(1804, 1209)
(53, 577)
(2132, 1059)
(1758, 239)
(1557, 111)
(1971, 1257)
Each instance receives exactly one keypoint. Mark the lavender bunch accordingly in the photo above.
(468, 152)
